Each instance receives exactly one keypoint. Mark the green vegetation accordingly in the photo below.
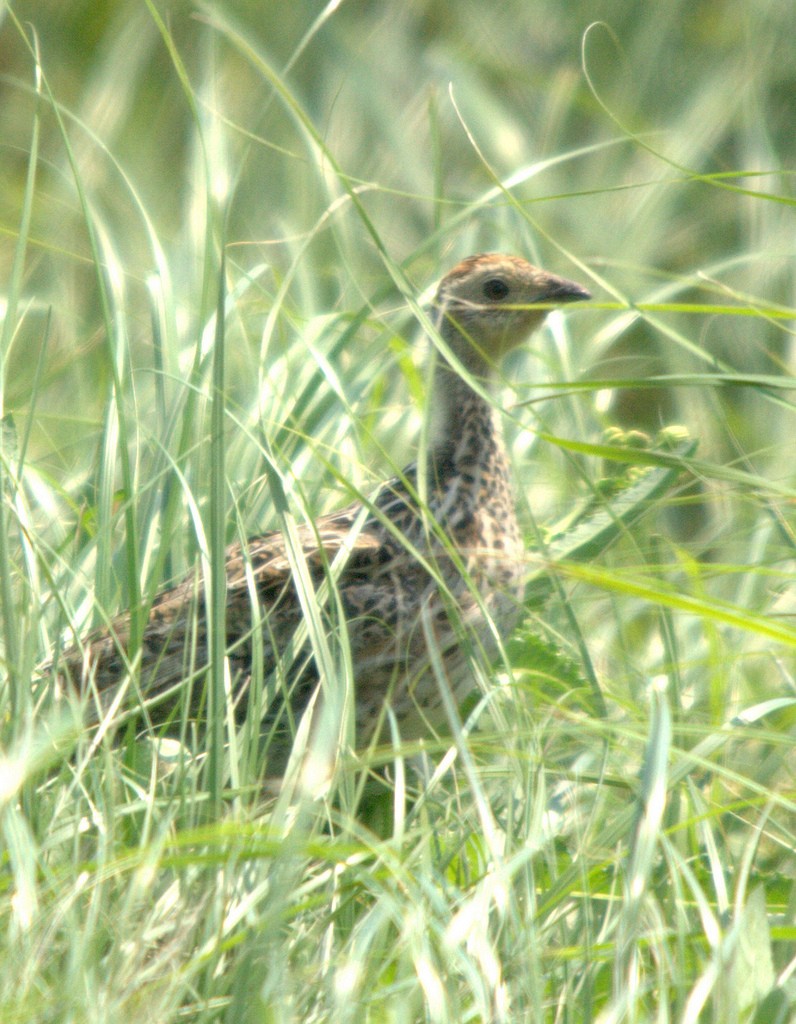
(611, 837)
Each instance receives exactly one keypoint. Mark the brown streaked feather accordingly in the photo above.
(457, 560)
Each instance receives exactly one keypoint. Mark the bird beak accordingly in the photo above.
(560, 290)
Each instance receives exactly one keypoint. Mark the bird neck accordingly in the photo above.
(462, 417)
(469, 465)
(464, 421)
(468, 436)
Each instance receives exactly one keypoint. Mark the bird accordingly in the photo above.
(428, 570)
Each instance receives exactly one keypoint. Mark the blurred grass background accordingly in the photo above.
(346, 155)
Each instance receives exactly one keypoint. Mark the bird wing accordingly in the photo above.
(271, 563)
(265, 560)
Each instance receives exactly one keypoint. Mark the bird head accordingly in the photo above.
(491, 302)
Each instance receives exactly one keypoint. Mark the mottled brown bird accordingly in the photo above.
(435, 559)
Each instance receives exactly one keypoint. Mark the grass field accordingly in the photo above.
(610, 837)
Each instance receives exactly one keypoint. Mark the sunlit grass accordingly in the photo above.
(607, 834)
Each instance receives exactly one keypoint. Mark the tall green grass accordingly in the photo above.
(550, 860)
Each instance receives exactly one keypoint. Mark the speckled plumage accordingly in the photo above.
(441, 538)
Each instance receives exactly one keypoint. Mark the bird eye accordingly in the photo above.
(496, 288)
